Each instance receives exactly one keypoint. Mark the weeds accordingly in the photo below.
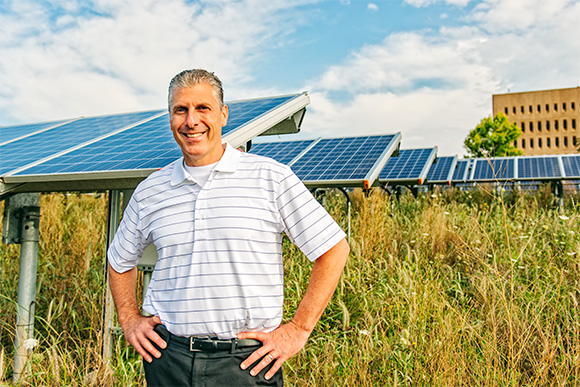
(453, 288)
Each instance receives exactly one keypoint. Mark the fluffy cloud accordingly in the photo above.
(81, 58)
(431, 84)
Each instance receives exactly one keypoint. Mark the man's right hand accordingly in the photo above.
(138, 331)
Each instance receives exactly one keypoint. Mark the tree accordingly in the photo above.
(493, 138)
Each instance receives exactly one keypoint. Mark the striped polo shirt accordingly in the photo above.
(220, 268)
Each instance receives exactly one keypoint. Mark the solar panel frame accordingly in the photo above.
(571, 166)
(320, 167)
(542, 167)
(462, 171)
(442, 170)
(493, 170)
(27, 180)
(409, 167)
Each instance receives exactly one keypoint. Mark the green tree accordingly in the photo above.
(493, 138)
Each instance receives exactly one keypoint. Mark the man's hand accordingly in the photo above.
(279, 345)
(138, 331)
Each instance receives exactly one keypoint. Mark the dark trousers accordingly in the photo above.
(178, 367)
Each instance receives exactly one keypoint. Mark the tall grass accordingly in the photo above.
(449, 289)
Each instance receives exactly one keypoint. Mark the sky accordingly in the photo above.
(425, 68)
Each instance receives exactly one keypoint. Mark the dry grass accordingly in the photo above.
(450, 289)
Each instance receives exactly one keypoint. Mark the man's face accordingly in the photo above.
(196, 122)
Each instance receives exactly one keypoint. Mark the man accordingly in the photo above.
(216, 217)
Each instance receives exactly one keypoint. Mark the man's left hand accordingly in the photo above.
(277, 346)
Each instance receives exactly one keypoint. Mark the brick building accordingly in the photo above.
(549, 119)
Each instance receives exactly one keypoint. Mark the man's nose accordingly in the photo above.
(192, 119)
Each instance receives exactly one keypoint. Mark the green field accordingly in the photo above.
(449, 289)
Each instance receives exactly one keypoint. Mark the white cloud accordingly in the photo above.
(120, 55)
(434, 86)
(426, 3)
(372, 7)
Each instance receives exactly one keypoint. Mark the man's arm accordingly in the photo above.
(138, 330)
(288, 339)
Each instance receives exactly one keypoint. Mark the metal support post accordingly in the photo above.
(30, 218)
(109, 306)
(348, 206)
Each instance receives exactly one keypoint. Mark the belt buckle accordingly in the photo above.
(192, 340)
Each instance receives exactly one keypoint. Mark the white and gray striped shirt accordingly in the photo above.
(220, 269)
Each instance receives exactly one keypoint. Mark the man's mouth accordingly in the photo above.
(193, 135)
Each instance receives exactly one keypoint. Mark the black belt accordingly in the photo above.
(208, 344)
(211, 344)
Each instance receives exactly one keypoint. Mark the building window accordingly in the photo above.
(557, 142)
(564, 106)
(505, 110)
(523, 127)
(573, 123)
(547, 108)
(522, 109)
(523, 144)
(514, 110)
(539, 126)
(539, 142)
(539, 108)
(531, 126)
(556, 126)
(548, 142)
(555, 107)
(531, 109)
(574, 141)
(565, 124)
(573, 105)
(547, 125)
(566, 141)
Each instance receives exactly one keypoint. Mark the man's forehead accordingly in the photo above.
(198, 93)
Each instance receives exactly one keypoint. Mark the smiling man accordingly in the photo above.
(217, 218)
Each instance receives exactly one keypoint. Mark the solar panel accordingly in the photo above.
(461, 171)
(498, 169)
(571, 165)
(147, 146)
(345, 161)
(537, 168)
(283, 151)
(241, 112)
(23, 152)
(11, 133)
(442, 169)
(409, 167)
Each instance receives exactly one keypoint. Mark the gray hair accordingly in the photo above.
(190, 78)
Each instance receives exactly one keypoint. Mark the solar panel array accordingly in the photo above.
(17, 154)
(143, 141)
(120, 142)
(347, 161)
(409, 167)
(519, 168)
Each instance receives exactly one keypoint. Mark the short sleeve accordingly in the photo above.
(306, 222)
(128, 244)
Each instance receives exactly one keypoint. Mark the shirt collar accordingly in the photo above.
(228, 163)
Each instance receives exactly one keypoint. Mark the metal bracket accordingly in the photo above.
(14, 211)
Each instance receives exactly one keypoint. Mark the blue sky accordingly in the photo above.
(426, 68)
